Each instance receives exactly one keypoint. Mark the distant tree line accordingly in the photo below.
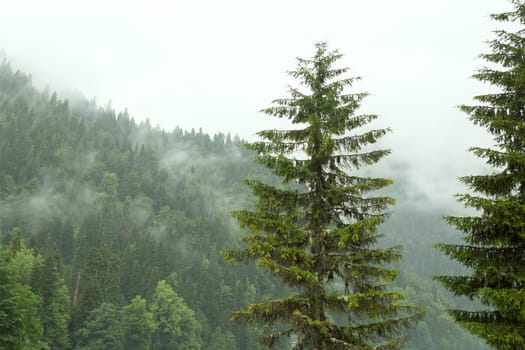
(111, 230)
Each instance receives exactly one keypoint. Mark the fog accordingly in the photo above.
(214, 65)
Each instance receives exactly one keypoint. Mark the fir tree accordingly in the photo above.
(495, 239)
(317, 232)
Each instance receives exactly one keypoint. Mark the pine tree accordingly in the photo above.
(317, 231)
(55, 301)
(495, 239)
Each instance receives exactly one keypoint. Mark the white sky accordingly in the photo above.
(215, 64)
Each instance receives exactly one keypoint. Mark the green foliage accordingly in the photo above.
(222, 340)
(177, 327)
(137, 325)
(97, 283)
(494, 240)
(112, 207)
(20, 327)
(54, 309)
(102, 330)
(108, 207)
(317, 231)
(437, 330)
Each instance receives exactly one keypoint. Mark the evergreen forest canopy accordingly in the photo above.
(101, 218)
(111, 231)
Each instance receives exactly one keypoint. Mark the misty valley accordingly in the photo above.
(117, 234)
(102, 216)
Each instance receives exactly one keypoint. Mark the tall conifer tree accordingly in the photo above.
(317, 232)
(494, 245)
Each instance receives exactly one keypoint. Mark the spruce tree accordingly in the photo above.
(494, 239)
(317, 231)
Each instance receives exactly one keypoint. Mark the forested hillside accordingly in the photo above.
(111, 233)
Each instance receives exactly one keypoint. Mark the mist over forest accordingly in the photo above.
(382, 208)
(104, 214)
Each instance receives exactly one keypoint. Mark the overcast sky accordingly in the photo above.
(215, 64)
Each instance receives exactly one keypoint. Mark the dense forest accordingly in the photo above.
(111, 233)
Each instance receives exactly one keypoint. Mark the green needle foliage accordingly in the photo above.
(495, 240)
(317, 231)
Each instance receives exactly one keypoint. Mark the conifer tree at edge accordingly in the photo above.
(494, 239)
(317, 231)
